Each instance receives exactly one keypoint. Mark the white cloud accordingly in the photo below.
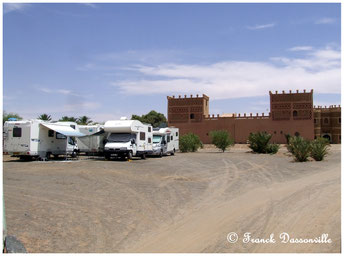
(90, 5)
(325, 20)
(10, 7)
(263, 26)
(318, 70)
(301, 48)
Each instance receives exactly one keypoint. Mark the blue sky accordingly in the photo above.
(111, 60)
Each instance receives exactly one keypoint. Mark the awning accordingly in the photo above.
(63, 129)
(97, 133)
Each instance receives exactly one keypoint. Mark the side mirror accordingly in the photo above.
(132, 141)
(105, 141)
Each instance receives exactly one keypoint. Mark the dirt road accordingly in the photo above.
(185, 203)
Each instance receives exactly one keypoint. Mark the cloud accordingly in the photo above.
(11, 7)
(301, 48)
(258, 27)
(90, 5)
(318, 70)
(325, 20)
(59, 91)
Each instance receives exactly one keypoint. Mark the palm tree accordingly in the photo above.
(68, 119)
(84, 120)
(44, 117)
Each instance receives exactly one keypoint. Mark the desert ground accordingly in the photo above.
(183, 203)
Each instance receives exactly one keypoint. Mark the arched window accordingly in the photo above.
(294, 113)
(297, 134)
(192, 116)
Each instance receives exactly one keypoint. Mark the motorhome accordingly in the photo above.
(165, 141)
(127, 138)
(91, 144)
(39, 139)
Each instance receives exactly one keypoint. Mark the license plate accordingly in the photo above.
(16, 153)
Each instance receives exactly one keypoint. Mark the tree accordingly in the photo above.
(68, 119)
(154, 118)
(44, 117)
(6, 116)
(259, 143)
(300, 148)
(84, 120)
(190, 143)
(221, 139)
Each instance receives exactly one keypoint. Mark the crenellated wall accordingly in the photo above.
(327, 122)
(291, 113)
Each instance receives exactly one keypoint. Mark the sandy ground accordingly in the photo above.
(182, 203)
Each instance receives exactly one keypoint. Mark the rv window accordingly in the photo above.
(121, 137)
(142, 136)
(51, 133)
(17, 132)
(149, 140)
(60, 136)
(156, 138)
(171, 137)
(149, 129)
(71, 141)
(72, 126)
(168, 138)
(177, 134)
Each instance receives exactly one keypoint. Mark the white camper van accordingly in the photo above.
(40, 139)
(128, 138)
(91, 144)
(165, 141)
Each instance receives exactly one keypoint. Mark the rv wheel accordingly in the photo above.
(130, 155)
(107, 156)
(47, 156)
(174, 151)
(143, 156)
(74, 154)
(160, 155)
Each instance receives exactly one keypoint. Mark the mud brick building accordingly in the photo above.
(290, 113)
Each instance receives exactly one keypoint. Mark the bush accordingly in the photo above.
(272, 148)
(190, 143)
(300, 148)
(319, 149)
(221, 139)
(259, 141)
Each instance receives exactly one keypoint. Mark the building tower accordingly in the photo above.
(187, 110)
(291, 106)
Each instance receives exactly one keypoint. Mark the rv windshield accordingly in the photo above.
(156, 138)
(121, 137)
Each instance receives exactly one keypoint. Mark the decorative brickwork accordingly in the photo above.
(291, 113)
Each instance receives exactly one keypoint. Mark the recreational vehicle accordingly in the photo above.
(40, 139)
(165, 141)
(91, 144)
(127, 138)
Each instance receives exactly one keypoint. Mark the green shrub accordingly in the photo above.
(272, 148)
(189, 143)
(287, 137)
(259, 141)
(300, 148)
(221, 139)
(319, 149)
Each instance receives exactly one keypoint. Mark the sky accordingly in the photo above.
(111, 60)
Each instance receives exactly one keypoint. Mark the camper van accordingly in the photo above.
(165, 141)
(127, 138)
(39, 139)
(91, 144)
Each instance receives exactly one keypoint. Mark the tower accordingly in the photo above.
(187, 110)
(291, 106)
